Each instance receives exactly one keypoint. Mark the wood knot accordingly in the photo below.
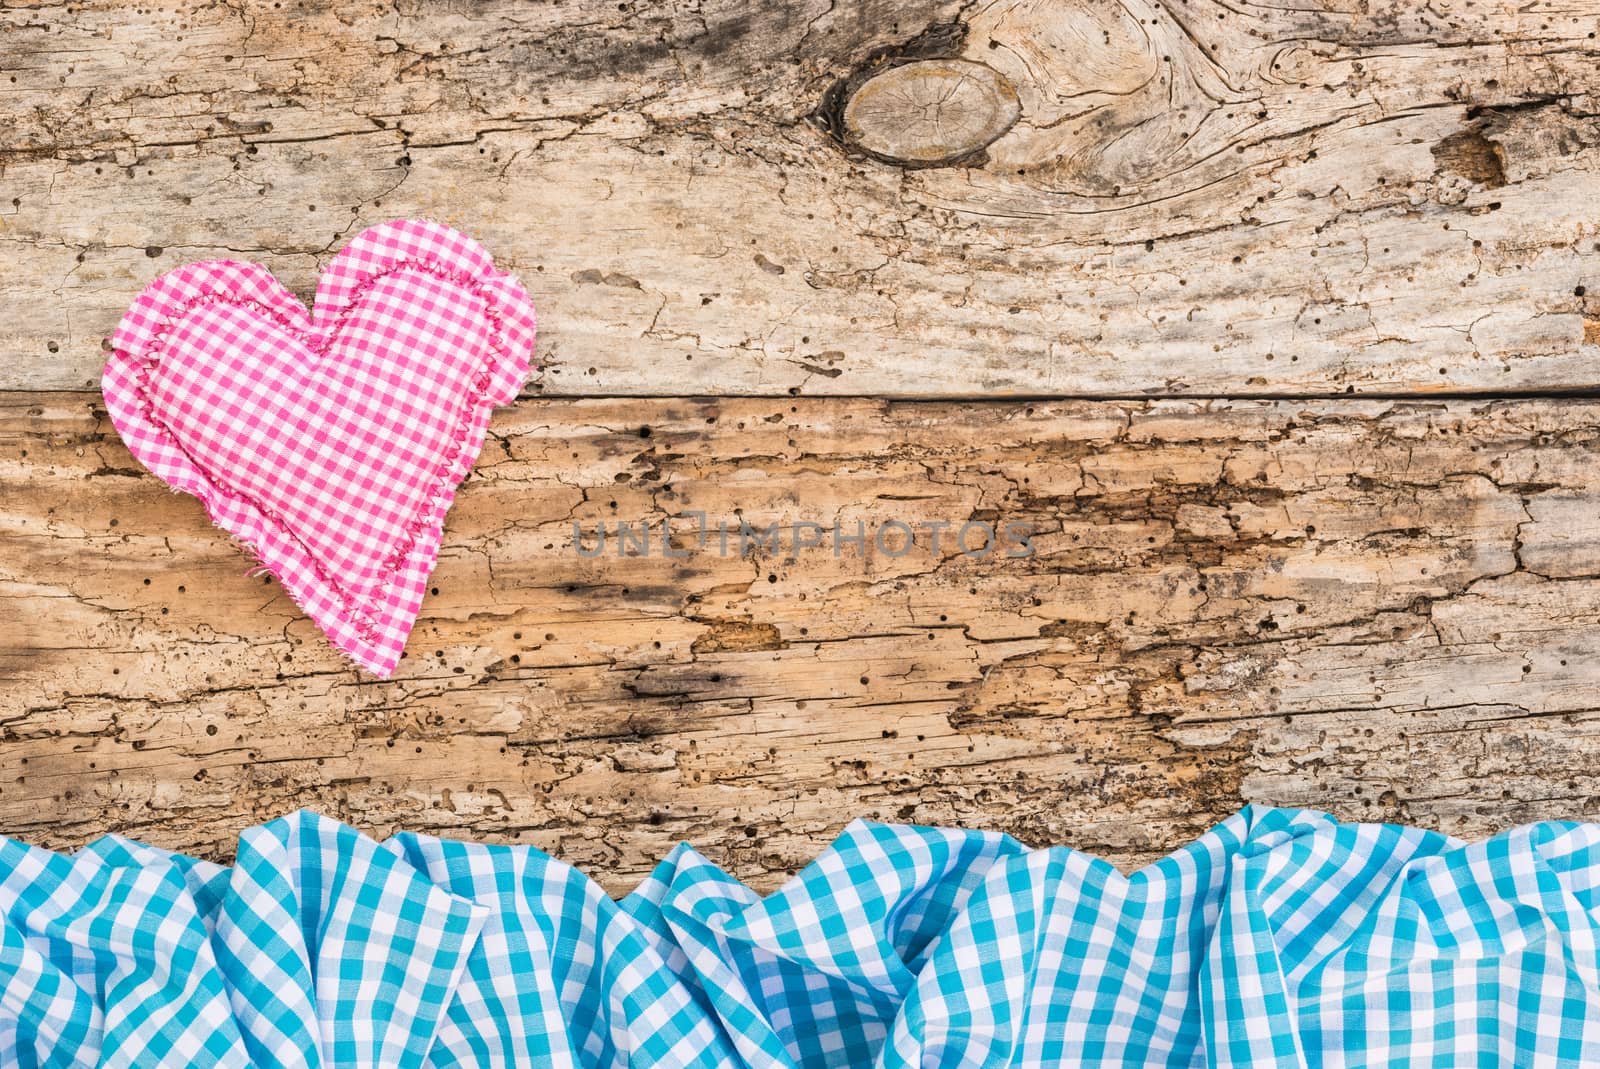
(930, 113)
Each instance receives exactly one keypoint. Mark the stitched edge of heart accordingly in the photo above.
(436, 502)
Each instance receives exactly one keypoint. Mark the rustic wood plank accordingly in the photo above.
(1198, 197)
(1386, 609)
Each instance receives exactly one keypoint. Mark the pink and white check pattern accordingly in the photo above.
(330, 442)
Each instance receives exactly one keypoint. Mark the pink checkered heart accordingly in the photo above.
(331, 442)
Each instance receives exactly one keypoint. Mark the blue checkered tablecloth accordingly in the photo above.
(1280, 938)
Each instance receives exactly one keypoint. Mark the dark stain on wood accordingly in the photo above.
(1473, 156)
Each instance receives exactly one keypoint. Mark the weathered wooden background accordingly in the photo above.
(1272, 322)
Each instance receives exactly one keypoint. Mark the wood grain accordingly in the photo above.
(1386, 609)
(1198, 197)
(1297, 596)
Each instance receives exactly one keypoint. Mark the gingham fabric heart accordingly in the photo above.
(329, 442)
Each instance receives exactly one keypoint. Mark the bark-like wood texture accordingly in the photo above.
(1197, 197)
(1386, 609)
(1169, 281)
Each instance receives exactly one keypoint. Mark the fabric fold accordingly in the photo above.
(1279, 938)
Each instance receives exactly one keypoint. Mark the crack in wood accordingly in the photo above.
(1382, 608)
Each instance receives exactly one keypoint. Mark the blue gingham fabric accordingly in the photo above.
(1280, 938)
